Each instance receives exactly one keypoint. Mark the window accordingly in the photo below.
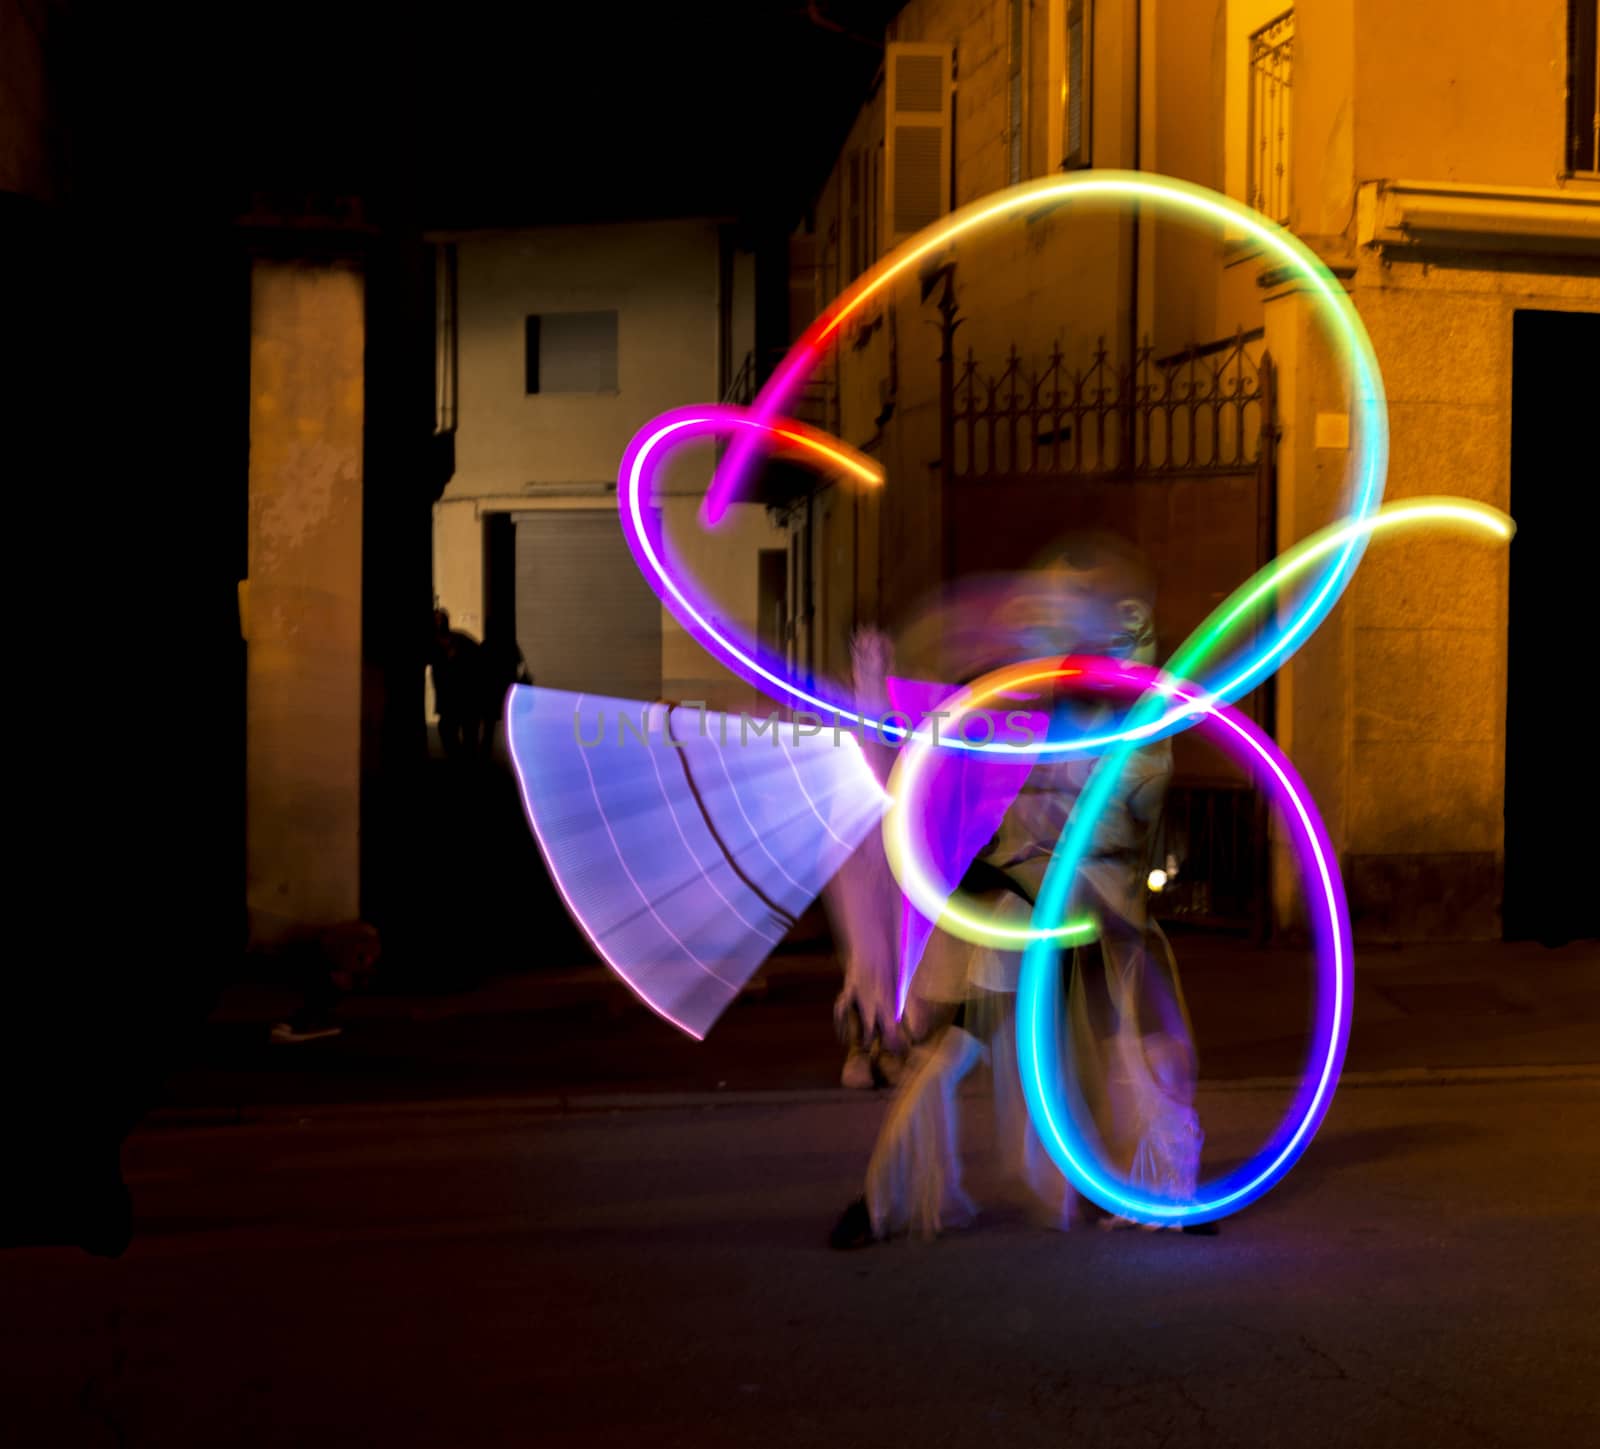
(1071, 82)
(855, 221)
(916, 157)
(874, 193)
(1583, 94)
(572, 352)
(1014, 96)
(864, 180)
(1271, 61)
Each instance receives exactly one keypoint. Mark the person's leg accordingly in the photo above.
(1163, 1070)
(915, 1144)
(1022, 1153)
(857, 1071)
(1146, 1067)
(914, 1176)
(888, 1063)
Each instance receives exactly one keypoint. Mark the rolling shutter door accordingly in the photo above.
(586, 619)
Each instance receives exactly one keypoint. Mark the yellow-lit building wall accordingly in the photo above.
(1396, 715)
(1396, 711)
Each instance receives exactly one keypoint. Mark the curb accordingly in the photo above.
(596, 1103)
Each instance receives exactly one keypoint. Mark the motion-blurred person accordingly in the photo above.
(1130, 1037)
(1129, 1032)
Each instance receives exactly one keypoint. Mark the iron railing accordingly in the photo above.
(1210, 843)
(1271, 73)
(742, 390)
(1197, 411)
(814, 401)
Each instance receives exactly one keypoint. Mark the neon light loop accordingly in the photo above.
(751, 428)
(951, 916)
(1160, 703)
(1039, 1010)
(925, 893)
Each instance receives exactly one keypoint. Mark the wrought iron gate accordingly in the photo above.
(1175, 451)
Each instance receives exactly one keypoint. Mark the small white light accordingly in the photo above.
(1157, 880)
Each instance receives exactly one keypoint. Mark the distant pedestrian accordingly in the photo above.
(502, 667)
(456, 663)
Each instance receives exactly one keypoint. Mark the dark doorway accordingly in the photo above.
(772, 624)
(1551, 797)
(499, 576)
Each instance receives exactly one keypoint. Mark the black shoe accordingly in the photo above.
(854, 1228)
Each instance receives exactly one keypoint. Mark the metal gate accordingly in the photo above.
(586, 619)
(1175, 453)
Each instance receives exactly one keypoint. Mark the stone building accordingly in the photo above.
(557, 344)
(1440, 158)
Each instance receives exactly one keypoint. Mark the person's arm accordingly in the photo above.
(871, 658)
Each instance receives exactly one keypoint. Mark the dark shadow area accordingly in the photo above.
(1552, 403)
(492, 907)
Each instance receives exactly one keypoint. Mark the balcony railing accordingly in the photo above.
(813, 402)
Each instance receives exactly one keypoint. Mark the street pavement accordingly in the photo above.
(576, 1031)
(468, 1273)
(510, 1206)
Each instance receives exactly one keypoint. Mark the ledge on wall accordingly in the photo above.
(1498, 218)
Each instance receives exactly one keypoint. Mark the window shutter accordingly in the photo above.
(916, 172)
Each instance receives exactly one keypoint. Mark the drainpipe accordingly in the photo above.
(1133, 283)
(808, 582)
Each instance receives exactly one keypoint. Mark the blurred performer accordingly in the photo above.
(1130, 1042)
(1129, 1034)
(863, 900)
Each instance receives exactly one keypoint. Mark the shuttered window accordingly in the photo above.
(1071, 82)
(1583, 91)
(571, 352)
(917, 144)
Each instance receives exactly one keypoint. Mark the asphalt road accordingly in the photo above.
(486, 1273)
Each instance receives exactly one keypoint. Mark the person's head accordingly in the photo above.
(1103, 594)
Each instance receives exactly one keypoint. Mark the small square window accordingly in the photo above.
(571, 352)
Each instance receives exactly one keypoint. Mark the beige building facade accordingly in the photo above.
(561, 343)
(1440, 159)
